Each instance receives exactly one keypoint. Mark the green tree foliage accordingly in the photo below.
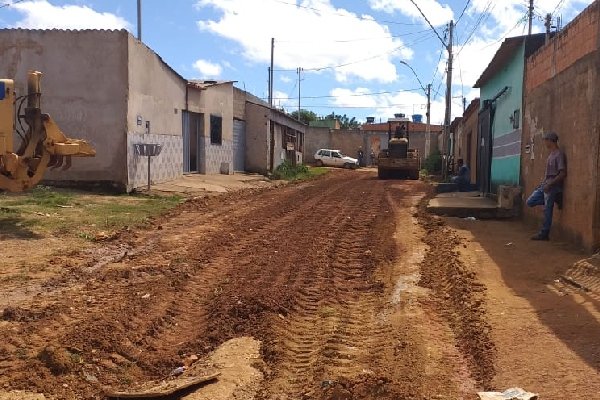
(306, 116)
(345, 121)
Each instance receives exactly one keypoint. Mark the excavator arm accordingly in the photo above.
(43, 144)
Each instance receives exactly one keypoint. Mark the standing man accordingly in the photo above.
(551, 189)
(361, 157)
(372, 157)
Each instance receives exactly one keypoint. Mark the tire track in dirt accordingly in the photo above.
(298, 268)
(333, 330)
(146, 330)
(459, 297)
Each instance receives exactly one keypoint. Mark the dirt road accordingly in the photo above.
(353, 293)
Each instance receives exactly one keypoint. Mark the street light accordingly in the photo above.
(415, 74)
(428, 94)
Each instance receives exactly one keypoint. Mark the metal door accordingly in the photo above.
(485, 139)
(193, 128)
(239, 145)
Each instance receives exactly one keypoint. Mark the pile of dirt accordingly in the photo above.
(458, 296)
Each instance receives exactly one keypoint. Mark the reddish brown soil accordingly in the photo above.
(324, 273)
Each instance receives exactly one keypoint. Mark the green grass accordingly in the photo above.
(289, 172)
(45, 210)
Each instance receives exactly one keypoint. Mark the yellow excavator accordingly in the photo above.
(43, 145)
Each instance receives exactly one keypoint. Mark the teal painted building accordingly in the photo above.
(501, 87)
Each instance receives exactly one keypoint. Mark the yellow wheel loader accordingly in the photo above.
(42, 144)
(398, 160)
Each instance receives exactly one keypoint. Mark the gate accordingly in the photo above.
(239, 145)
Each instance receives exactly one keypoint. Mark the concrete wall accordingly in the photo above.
(566, 102)
(506, 152)
(84, 90)
(156, 95)
(347, 141)
(257, 138)
(239, 104)
(214, 100)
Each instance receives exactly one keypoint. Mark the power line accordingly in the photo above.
(11, 4)
(482, 18)
(558, 6)
(519, 22)
(320, 12)
(350, 95)
(430, 24)
(463, 11)
(327, 67)
(439, 59)
(356, 40)
(333, 106)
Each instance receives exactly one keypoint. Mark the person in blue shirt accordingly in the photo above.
(463, 179)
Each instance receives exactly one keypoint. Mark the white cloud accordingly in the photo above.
(40, 14)
(285, 79)
(208, 69)
(385, 105)
(312, 36)
(506, 13)
(438, 14)
(504, 19)
(281, 100)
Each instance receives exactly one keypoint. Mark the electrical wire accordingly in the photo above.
(558, 7)
(320, 12)
(428, 22)
(482, 18)
(349, 95)
(356, 40)
(334, 67)
(11, 3)
(390, 106)
(519, 22)
(463, 11)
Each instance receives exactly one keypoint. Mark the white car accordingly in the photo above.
(334, 158)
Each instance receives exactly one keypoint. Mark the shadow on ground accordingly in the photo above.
(531, 270)
(15, 227)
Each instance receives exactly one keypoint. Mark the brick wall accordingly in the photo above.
(562, 95)
(578, 38)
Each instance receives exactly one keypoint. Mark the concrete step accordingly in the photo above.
(467, 204)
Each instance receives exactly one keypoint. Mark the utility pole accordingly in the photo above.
(428, 129)
(271, 72)
(447, 120)
(299, 90)
(139, 19)
(548, 25)
(531, 9)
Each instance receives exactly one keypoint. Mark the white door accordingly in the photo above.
(337, 159)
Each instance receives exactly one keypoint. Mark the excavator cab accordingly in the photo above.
(42, 143)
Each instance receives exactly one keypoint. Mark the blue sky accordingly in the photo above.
(350, 50)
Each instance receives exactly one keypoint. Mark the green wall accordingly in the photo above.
(506, 153)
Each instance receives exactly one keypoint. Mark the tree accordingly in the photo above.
(345, 121)
(306, 116)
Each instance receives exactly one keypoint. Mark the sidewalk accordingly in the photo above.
(463, 204)
(545, 329)
(196, 184)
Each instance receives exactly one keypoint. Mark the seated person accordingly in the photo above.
(463, 179)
